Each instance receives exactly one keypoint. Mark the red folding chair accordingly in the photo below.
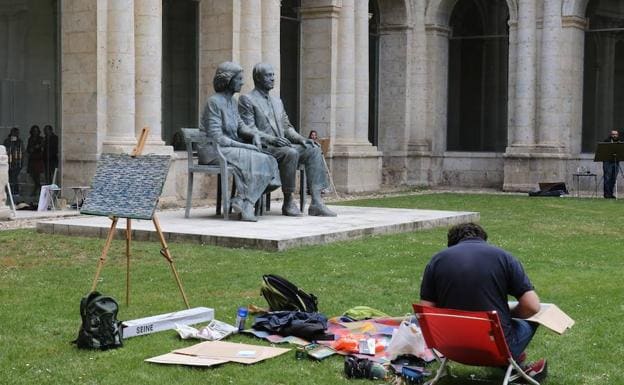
(467, 337)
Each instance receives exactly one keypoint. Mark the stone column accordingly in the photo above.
(526, 67)
(219, 27)
(120, 135)
(437, 85)
(148, 62)
(83, 89)
(271, 38)
(5, 212)
(394, 101)
(345, 85)
(573, 42)
(328, 94)
(418, 149)
(250, 39)
(319, 42)
(550, 129)
(361, 73)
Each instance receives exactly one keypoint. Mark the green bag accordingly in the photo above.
(100, 328)
(282, 294)
(359, 313)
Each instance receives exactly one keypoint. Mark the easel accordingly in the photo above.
(109, 238)
(610, 152)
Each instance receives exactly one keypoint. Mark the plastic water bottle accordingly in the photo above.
(241, 318)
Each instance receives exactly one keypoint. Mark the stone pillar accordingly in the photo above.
(219, 27)
(250, 39)
(361, 74)
(550, 128)
(319, 47)
(120, 134)
(148, 62)
(83, 89)
(526, 67)
(5, 212)
(345, 86)
(328, 94)
(573, 44)
(394, 101)
(418, 148)
(271, 38)
(437, 85)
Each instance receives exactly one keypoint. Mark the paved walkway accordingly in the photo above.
(273, 231)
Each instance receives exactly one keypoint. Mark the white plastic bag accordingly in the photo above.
(406, 339)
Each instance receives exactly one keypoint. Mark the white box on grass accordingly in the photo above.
(167, 321)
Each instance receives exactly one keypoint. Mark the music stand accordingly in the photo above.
(610, 152)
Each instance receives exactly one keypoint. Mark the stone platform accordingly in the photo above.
(272, 232)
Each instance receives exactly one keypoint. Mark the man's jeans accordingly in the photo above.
(523, 332)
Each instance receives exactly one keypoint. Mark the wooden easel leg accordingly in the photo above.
(165, 253)
(109, 240)
(128, 241)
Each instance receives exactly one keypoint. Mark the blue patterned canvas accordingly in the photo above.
(127, 187)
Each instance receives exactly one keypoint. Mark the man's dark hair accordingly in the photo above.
(463, 231)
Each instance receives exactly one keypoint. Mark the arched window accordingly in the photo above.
(180, 69)
(478, 66)
(373, 71)
(290, 41)
(603, 80)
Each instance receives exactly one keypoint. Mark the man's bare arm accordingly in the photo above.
(528, 305)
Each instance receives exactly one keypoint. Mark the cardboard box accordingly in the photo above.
(167, 321)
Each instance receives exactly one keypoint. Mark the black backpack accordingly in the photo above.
(281, 294)
(100, 328)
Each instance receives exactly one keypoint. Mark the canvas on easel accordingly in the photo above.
(129, 186)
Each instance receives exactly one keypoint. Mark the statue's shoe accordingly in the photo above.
(237, 204)
(290, 209)
(247, 213)
(320, 210)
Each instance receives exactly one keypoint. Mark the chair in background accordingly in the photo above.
(193, 137)
(469, 338)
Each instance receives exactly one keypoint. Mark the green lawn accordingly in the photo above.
(571, 248)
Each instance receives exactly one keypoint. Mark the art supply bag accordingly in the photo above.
(406, 339)
(100, 328)
(282, 294)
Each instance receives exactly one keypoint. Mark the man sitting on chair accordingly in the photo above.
(266, 113)
(475, 276)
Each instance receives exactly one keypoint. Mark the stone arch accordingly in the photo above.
(574, 7)
(439, 11)
(394, 12)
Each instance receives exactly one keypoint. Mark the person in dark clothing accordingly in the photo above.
(50, 152)
(15, 151)
(611, 168)
(35, 157)
(476, 276)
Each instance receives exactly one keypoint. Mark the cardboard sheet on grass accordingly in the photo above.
(212, 353)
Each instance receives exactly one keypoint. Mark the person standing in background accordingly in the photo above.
(50, 153)
(15, 152)
(610, 168)
(35, 157)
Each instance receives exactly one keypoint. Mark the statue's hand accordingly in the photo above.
(257, 141)
(309, 143)
(281, 142)
(250, 147)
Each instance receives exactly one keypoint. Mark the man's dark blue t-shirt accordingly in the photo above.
(474, 275)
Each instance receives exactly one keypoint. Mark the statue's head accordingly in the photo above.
(264, 76)
(224, 76)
